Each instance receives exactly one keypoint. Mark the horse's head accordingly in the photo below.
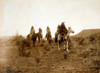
(70, 30)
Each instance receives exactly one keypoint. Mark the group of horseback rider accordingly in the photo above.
(61, 34)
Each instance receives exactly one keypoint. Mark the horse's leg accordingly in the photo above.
(56, 40)
(38, 40)
(58, 45)
(64, 47)
(33, 43)
(67, 47)
(49, 41)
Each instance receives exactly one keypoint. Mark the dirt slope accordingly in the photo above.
(83, 57)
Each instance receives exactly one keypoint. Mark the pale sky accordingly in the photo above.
(20, 15)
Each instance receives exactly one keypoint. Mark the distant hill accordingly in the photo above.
(87, 32)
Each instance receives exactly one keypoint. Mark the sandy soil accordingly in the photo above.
(83, 57)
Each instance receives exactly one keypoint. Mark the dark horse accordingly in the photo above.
(34, 37)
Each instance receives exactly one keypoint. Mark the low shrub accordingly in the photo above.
(21, 42)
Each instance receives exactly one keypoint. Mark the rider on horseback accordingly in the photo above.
(62, 31)
(48, 35)
(32, 32)
(39, 34)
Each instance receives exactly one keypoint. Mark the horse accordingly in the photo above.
(66, 38)
(33, 36)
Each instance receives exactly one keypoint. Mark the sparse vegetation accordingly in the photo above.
(83, 56)
(23, 45)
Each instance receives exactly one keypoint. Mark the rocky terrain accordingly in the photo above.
(83, 56)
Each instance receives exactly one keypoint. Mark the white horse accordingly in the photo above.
(66, 37)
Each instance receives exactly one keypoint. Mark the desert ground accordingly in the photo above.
(83, 55)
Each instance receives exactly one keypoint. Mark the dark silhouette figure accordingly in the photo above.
(39, 34)
(48, 35)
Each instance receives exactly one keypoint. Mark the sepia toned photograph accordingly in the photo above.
(49, 36)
